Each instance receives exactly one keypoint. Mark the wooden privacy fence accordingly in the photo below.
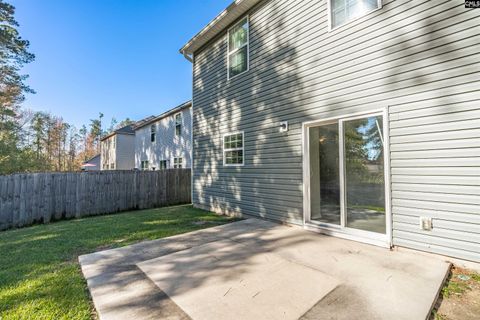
(41, 197)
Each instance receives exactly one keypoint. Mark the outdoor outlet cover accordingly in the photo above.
(426, 223)
(284, 126)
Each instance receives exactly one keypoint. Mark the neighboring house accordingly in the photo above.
(117, 149)
(92, 164)
(165, 141)
(359, 119)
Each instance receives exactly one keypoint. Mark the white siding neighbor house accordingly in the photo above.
(359, 119)
(117, 149)
(165, 141)
(92, 164)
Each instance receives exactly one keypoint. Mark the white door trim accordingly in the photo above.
(384, 240)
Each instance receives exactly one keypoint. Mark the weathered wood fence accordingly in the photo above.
(42, 197)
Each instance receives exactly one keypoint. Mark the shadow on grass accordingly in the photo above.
(39, 273)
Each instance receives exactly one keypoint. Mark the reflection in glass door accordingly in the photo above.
(347, 175)
(364, 174)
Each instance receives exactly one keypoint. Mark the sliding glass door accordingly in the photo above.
(364, 174)
(346, 174)
(324, 173)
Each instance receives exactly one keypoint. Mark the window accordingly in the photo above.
(163, 164)
(178, 124)
(153, 132)
(177, 163)
(238, 48)
(343, 11)
(114, 139)
(233, 149)
(112, 165)
(144, 165)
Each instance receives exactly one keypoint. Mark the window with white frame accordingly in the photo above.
(342, 11)
(153, 133)
(163, 164)
(238, 48)
(233, 149)
(144, 165)
(178, 124)
(177, 163)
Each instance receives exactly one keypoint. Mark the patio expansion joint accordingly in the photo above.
(122, 290)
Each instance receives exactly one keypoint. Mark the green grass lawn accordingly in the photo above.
(40, 277)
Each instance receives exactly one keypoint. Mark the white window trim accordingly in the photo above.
(160, 164)
(154, 126)
(233, 149)
(329, 13)
(176, 124)
(234, 51)
(142, 165)
(178, 162)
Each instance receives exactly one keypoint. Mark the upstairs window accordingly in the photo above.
(238, 47)
(233, 149)
(178, 124)
(177, 163)
(144, 165)
(153, 133)
(343, 11)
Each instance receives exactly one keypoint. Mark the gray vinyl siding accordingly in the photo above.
(167, 145)
(419, 59)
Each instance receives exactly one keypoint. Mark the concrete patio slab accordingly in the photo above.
(208, 283)
(222, 272)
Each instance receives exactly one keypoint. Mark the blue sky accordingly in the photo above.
(119, 57)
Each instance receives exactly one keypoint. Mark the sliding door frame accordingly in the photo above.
(342, 231)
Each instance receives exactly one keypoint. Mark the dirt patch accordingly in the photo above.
(460, 297)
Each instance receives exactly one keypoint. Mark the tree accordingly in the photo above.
(13, 55)
(96, 131)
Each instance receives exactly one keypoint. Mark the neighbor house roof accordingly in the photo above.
(149, 120)
(123, 130)
(233, 12)
(92, 158)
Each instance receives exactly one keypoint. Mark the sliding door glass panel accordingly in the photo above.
(324, 174)
(364, 174)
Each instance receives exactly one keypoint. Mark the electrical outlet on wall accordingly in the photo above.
(426, 223)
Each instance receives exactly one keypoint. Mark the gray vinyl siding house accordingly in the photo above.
(414, 65)
(172, 140)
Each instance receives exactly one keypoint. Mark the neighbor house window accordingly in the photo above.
(233, 149)
(342, 11)
(178, 124)
(238, 47)
(112, 166)
(177, 163)
(144, 165)
(163, 164)
(153, 132)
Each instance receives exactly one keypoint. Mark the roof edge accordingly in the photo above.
(229, 15)
(167, 113)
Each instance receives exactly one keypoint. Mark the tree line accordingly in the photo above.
(32, 141)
